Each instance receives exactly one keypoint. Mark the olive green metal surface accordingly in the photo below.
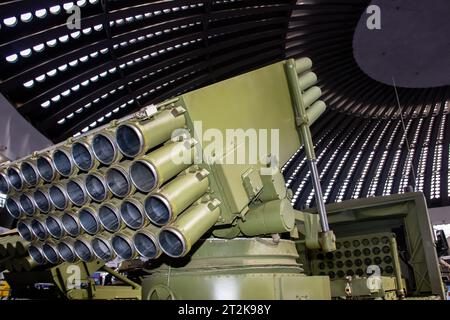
(407, 212)
(240, 268)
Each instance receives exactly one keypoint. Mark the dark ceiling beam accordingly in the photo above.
(17, 7)
(49, 121)
(55, 62)
(44, 35)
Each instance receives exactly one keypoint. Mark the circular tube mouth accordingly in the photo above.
(27, 205)
(104, 149)
(129, 139)
(83, 251)
(71, 224)
(45, 169)
(14, 178)
(13, 208)
(109, 218)
(132, 214)
(145, 245)
(62, 162)
(102, 249)
(118, 182)
(83, 156)
(38, 229)
(36, 254)
(123, 247)
(4, 184)
(58, 197)
(42, 201)
(50, 253)
(76, 193)
(66, 252)
(29, 173)
(143, 175)
(89, 221)
(172, 242)
(54, 227)
(96, 187)
(25, 231)
(158, 210)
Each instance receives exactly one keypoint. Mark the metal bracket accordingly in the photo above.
(252, 183)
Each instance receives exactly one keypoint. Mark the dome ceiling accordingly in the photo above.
(127, 54)
(373, 140)
(411, 45)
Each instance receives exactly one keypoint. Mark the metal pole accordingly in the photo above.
(397, 269)
(408, 148)
(318, 193)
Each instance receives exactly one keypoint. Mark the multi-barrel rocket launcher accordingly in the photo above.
(203, 164)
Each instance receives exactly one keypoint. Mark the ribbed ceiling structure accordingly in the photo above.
(367, 143)
(128, 54)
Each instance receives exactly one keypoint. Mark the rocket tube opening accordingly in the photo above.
(24, 231)
(145, 246)
(83, 251)
(76, 193)
(129, 140)
(143, 176)
(4, 184)
(38, 229)
(66, 252)
(70, 225)
(102, 250)
(172, 243)
(104, 149)
(118, 182)
(27, 204)
(122, 247)
(57, 197)
(62, 163)
(95, 188)
(131, 215)
(36, 254)
(54, 227)
(88, 221)
(45, 169)
(29, 173)
(82, 156)
(157, 210)
(41, 200)
(14, 178)
(109, 218)
(13, 208)
(50, 253)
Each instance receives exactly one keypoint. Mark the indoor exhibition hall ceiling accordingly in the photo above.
(374, 139)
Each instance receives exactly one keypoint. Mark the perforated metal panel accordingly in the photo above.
(354, 256)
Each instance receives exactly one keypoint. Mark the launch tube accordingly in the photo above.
(153, 170)
(166, 204)
(178, 238)
(135, 138)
